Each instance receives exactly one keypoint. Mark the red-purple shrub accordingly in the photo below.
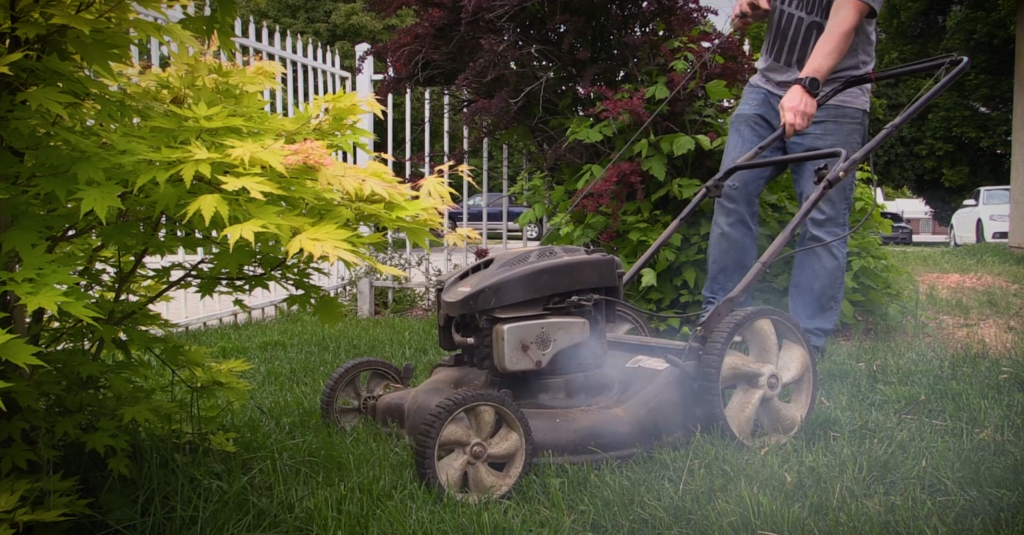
(534, 65)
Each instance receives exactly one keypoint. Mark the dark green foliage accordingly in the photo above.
(962, 140)
(338, 24)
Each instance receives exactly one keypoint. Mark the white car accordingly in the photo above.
(984, 216)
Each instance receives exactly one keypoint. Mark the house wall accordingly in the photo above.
(937, 228)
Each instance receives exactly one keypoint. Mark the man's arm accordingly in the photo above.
(798, 107)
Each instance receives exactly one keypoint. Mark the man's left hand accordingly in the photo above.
(797, 110)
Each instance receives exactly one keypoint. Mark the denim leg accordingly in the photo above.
(732, 246)
(819, 274)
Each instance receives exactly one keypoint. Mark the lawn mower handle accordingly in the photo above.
(843, 169)
(828, 181)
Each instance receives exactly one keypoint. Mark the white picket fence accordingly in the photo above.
(312, 70)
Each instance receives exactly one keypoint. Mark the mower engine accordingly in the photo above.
(531, 311)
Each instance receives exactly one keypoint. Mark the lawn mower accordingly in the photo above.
(549, 363)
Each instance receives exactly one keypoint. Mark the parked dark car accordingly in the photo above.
(901, 234)
(475, 216)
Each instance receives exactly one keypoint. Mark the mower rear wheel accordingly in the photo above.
(353, 387)
(474, 445)
(758, 379)
(629, 322)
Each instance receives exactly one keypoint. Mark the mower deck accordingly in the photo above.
(628, 406)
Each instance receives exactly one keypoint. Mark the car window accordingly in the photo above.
(892, 216)
(976, 195)
(997, 196)
(475, 201)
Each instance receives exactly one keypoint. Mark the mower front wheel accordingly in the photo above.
(354, 387)
(757, 376)
(474, 445)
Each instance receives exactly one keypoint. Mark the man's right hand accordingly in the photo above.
(747, 12)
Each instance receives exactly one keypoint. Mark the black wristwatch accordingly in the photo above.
(811, 84)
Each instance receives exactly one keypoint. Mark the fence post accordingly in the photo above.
(364, 298)
(364, 88)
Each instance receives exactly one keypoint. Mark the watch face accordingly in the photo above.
(812, 84)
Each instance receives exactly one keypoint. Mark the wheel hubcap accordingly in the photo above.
(477, 452)
(359, 396)
(480, 452)
(367, 403)
(771, 383)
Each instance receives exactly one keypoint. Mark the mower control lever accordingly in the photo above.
(714, 188)
(820, 173)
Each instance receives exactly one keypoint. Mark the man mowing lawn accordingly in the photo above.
(811, 46)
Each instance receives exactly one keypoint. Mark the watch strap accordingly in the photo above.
(810, 83)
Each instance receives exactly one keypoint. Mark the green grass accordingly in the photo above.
(875, 458)
(993, 259)
(975, 290)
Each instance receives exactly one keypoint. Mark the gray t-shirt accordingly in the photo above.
(794, 27)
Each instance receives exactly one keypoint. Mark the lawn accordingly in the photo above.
(970, 297)
(913, 433)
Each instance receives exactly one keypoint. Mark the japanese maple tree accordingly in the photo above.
(107, 170)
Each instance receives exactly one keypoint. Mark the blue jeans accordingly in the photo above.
(819, 274)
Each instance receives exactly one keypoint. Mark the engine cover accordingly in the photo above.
(529, 345)
(520, 275)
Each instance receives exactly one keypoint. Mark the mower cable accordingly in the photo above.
(874, 185)
(646, 312)
(874, 204)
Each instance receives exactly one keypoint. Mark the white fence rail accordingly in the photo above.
(312, 70)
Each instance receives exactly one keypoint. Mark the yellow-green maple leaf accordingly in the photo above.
(14, 350)
(48, 298)
(208, 205)
(460, 237)
(318, 240)
(200, 152)
(246, 230)
(99, 198)
(243, 150)
(331, 242)
(255, 185)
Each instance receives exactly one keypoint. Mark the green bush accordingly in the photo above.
(105, 167)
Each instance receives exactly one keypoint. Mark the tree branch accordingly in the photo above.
(170, 286)
(123, 280)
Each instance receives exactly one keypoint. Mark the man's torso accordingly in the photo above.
(794, 27)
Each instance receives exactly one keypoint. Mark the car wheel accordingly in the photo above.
(532, 231)
(979, 233)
